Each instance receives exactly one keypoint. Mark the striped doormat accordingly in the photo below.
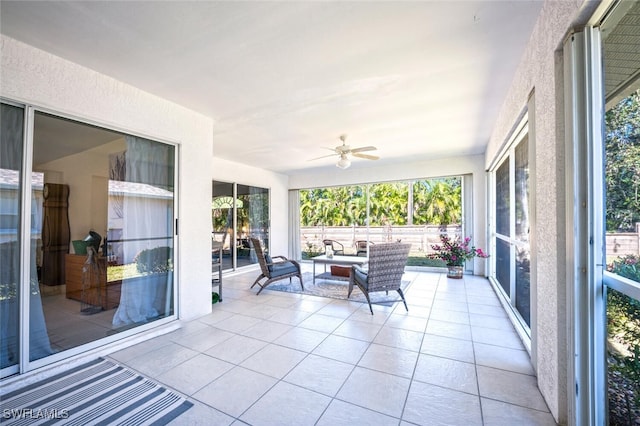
(97, 393)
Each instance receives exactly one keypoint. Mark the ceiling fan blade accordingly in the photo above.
(367, 156)
(324, 156)
(364, 148)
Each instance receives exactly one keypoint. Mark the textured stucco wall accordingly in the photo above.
(540, 75)
(33, 76)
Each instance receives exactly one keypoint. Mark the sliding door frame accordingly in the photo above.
(96, 346)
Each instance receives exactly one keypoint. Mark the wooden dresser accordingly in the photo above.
(110, 297)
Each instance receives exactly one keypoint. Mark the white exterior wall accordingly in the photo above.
(540, 76)
(33, 76)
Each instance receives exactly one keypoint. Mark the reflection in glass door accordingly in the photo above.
(238, 212)
(100, 226)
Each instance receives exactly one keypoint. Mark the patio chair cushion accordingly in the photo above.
(282, 268)
(269, 262)
(360, 276)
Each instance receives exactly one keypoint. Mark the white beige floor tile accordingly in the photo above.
(291, 317)
(449, 316)
(273, 360)
(358, 330)
(287, 404)
(324, 323)
(217, 314)
(448, 347)
(339, 309)
(235, 391)
(237, 323)
(267, 330)
(475, 308)
(407, 322)
(433, 405)
(449, 373)
(497, 413)
(302, 339)
(204, 339)
(281, 301)
(195, 373)
(490, 321)
(449, 329)
(311, 360)
(491, 336)
(135, 351)
(516, 360)
(236, 349)
(155, 363)
(342, 349)
(311, 306)
(340, 413)
(487, 299)
(319, 374)
(263, 311)
(376, 391)
(399, 362)
(399, 338)
(515, 388)
(202, 415)
(450, 305)
(363, 315)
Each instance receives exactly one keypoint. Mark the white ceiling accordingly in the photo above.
(419, 80)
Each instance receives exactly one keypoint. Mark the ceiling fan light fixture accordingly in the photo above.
(343, 162)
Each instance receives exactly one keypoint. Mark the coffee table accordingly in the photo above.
(336, 260)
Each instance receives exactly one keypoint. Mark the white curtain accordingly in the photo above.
(11, 144)
(295, 251)
(147, 224)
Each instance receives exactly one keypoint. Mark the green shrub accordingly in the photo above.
(154, 260)
(623, 327)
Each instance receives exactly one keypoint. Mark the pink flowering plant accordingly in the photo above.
(455, 252)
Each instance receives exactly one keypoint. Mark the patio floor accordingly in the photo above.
(282, 358)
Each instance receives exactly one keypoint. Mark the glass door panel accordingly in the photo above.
(253, 221)
(105, 211)
(11, 152)
(238, 212)
(622, 210)
(222, 213)
(522, 227)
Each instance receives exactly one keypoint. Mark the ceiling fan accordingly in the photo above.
(345, 152)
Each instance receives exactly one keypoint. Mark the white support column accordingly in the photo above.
(585, 232)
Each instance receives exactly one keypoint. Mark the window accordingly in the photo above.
(511, 263)
(356, 216)
(621, 64)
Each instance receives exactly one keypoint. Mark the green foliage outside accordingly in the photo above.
(622, 164)
(623, 327)
(622, 180)
(154, 260)
(432, 201)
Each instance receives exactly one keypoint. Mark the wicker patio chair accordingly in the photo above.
(362, 247)
(274, 270)
(385, 268)
(336, 247)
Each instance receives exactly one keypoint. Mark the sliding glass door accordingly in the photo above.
(238, 212)
(511, 217)
(87, 236)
